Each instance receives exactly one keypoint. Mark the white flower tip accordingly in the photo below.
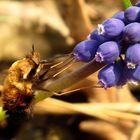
(99, 57)
(131, 65)
(135, 83)
(100, 29)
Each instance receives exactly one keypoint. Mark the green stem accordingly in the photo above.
(127, 3)
(68, 80)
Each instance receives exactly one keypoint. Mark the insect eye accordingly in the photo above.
(32, 72)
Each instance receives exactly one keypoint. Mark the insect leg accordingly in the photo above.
(70, 91)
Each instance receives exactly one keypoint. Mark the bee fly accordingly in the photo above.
(24, 75)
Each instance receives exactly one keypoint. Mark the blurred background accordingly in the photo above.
(55, 27)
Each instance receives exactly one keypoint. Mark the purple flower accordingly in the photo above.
(110, 75)
(132, 14)
(120, 16)
(131, 33)
(132, 56)
(85, 50)
(111, 28)
(98, 37)
(107, 52)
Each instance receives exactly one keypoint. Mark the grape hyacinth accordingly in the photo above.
(120, 16)
(132, 56)
(111, 75)
(107, 52)
(85, 50)
(132, 14)
(131, 33)
(116, 43)
(98, 37)
(111, 28)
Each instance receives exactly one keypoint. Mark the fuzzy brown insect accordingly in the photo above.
(23, 76)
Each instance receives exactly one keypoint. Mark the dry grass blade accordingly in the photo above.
(122, 115)
(102, 129)
(127, 107)
(136, 133)
(56, 106)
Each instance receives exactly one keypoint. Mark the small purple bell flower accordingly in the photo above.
(110, 75)
(85, 50)
(95, 36)
(120, 16)
(132, 56)
(107, 52)
(111, 28)
(132, 14)
(131, 33)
